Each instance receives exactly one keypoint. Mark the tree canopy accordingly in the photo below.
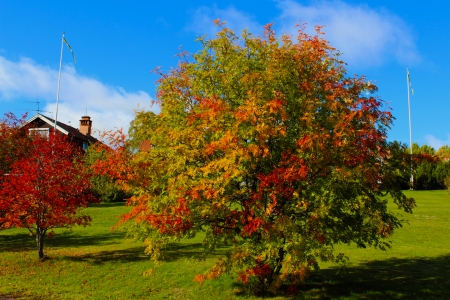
(266, 144)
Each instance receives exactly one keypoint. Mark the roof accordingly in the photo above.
(64, 128)
(145, 146)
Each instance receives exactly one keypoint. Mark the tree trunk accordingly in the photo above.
(40, 234)
(279, 265)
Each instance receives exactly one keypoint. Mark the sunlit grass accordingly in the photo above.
(95, 263)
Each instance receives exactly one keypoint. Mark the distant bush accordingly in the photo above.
(447, 183)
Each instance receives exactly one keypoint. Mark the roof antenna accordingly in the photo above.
(38, 110)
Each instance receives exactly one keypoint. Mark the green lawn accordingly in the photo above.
(95, 263)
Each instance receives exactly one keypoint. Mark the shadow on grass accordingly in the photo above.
(135, 254)
(421, 278)
(186, 250)
(25, 242)
(72, 239)
(173, 252)
(16, 242)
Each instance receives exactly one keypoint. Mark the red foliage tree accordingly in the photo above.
(45, 189)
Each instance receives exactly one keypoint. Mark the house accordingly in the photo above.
(80, 136)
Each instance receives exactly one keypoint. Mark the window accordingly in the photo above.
(85, 146)
(45, 132)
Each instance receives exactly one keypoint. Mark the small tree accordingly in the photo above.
(45, 189)
(266, 144)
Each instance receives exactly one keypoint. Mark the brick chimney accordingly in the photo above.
(85, 125)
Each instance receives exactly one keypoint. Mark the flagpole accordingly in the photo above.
(408, 83)
(59, 80)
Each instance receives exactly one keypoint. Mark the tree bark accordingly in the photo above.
(40, 234)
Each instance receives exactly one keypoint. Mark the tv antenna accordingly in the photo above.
(38, 110)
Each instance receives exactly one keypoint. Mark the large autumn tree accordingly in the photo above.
(266, 144)
(44, 189)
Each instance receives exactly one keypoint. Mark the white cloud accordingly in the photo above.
(435, 142)
(365, 35)
(201, 22)
(26, 79)
(110, 107)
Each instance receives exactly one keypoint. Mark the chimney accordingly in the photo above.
(85, 125)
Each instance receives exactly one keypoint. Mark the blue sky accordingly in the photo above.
(118, 43)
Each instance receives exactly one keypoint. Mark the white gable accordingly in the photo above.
(48, 121)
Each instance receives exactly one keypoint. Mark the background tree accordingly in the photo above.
(424, 149)
(266, 143)
(444, 153)
(424, 170)
(103, 186)
(441, 172)
(430, 167)
(45, 189)
(140, 128)
(447, 183)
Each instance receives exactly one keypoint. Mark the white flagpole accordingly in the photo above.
(59, 80)
(408, 82)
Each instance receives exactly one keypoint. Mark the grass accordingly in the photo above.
(416, 267)
(94, 263)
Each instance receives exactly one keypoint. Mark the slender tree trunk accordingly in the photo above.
(40, 234)
(279, 261)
